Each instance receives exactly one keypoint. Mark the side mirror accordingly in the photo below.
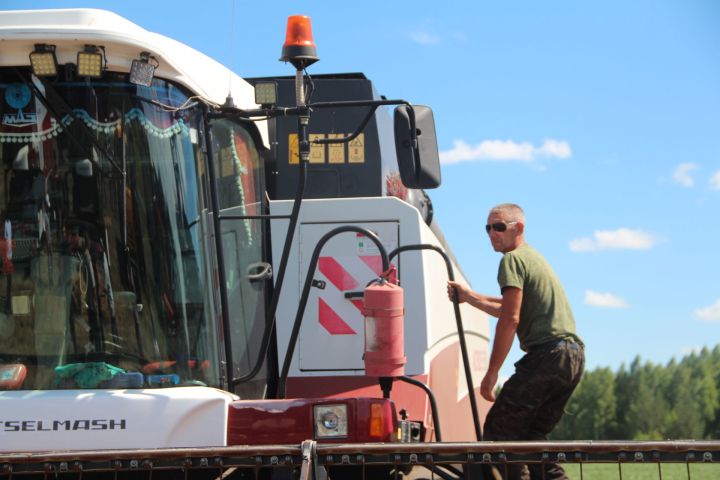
(419, 163)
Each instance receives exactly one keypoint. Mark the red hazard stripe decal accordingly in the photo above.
(359, 304)
(332, 321)
(374, 262)
(336, 274)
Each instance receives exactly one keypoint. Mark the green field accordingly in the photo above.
(613, 471)
(665, 471)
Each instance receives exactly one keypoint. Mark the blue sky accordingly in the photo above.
(600, 118)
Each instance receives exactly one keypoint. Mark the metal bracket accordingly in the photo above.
(354, 295)
(318, 284)
(309, 460)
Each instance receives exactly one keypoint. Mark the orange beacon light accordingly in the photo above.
(299, 48)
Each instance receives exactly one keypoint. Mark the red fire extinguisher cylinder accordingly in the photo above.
(384, 330)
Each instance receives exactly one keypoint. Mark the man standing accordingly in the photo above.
(533, 305)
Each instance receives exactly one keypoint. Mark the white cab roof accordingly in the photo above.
(71, 29)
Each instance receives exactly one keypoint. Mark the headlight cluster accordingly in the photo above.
(330, 421)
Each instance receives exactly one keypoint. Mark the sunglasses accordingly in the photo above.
(498, 226)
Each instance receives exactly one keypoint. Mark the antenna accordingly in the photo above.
(229, 100)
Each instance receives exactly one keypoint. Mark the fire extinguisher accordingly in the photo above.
(384, 330)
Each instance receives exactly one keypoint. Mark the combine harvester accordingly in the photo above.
(196, 283)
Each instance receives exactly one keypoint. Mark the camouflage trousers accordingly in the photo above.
(532, 401)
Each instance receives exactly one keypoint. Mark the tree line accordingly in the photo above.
(680, 400)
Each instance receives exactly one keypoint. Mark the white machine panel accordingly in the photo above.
(331, 337)
(52, 420)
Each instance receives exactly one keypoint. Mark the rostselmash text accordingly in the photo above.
(61, 425)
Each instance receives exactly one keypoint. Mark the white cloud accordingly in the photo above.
(709, 314)
(715, 181)
(604, 300)
(685, 351)
(555, 148)
(424, 38)
(682, 175)
(620, 239)
(505, 150)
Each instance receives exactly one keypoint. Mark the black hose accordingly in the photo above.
(433, 404)
(460, 329)
(306, 292)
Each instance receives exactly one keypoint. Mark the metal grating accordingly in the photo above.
(694, 460)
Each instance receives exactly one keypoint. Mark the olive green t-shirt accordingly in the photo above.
(545, 313)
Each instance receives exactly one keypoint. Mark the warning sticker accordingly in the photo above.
(293, 149)
(317, 151)
(336, 151)
(365, 246)
(356, 149)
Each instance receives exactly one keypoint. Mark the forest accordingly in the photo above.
(645, 401)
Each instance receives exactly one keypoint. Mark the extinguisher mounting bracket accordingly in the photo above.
(354, 294)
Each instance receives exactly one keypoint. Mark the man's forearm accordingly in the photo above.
(504, 336)
(489, 305)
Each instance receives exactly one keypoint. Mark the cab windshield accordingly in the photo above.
(103, 277)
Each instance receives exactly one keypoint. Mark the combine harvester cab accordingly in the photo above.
(143, 305)
(196, 284)
(108, 294)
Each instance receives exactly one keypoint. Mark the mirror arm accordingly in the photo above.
(374, 105)
(261, 113)
(358, 103)
(353, 135)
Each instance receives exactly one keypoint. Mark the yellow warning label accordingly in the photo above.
(356, 149)
(293, 149)
(317, 151)
(336, 151)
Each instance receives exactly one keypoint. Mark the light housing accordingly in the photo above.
(331, 421)
(43, 60)
(416, 147)
(90, 62)
(266, 93)
(299, 48)
(142, 70)
(381, 420)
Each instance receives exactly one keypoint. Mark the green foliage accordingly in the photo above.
(647, 402)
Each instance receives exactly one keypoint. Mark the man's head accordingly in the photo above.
(506, 227)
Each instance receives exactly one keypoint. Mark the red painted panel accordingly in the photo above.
(332, 322)
(445, 373)
(336, 274)
(359, 304)
(374, 262)
(261, 422)
(405, 396)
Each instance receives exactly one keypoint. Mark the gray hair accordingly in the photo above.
(513, 211)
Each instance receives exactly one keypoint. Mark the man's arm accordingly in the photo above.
(488, 304)
(504, 335)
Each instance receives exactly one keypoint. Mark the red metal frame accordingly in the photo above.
(267, 422)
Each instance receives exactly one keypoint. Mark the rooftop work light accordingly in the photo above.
(43, 60)
(266, 93)
(142, 70)
(89, 62)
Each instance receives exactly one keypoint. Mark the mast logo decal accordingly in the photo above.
(62, 425)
